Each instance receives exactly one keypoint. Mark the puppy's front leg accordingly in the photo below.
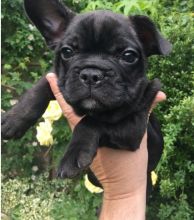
(26, 112)
(81, 150)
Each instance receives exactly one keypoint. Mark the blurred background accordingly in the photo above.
(29, 189)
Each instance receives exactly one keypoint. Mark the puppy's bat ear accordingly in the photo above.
(50, 17)
(151, 39)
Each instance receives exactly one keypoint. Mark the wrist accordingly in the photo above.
(126, 207)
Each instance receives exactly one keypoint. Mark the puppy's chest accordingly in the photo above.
(126, 134)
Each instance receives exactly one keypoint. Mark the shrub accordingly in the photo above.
(38, 198)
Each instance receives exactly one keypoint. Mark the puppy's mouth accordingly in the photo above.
(93, 100)
(93, 90)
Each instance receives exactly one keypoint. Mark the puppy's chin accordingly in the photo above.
(89, 104)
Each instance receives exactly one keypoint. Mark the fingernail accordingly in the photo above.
(48, 75)
(161, 96)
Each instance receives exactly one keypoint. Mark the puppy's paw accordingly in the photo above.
(74, 162)
(13, 125)
(68, 167)
(84, 159)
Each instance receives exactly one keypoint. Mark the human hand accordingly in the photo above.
(123, 174)
(67, 110)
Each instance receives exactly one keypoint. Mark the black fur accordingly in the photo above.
(101, 60)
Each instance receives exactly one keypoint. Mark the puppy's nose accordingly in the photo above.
(91, 76)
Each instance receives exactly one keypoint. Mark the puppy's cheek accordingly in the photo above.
(74, 92)
(115, 100)
(111, 93)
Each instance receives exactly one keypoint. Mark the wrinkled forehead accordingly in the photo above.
(100, 29)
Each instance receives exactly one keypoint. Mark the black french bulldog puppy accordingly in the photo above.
(100, 60)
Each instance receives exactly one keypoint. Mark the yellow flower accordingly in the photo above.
(90, 187)
(53, 111)
(154, 178)
(43, 135)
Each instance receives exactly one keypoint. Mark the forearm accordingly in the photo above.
(128, 208)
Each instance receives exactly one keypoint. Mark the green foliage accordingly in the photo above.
(25, 58)
(177, 167)
(125, 7)
(29, 199)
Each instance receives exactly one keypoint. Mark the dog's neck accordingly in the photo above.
(113, 116)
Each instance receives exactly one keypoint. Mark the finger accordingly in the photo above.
(52, 79)
(160, 97)
(65, 107)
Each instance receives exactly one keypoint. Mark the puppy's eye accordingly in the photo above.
(130, 56)
(67, 52)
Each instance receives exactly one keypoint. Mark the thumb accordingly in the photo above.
(65, 107)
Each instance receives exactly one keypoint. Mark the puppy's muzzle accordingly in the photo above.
(91, 76)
